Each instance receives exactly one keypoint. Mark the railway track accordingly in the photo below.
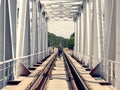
(76, 80)
(44, 76)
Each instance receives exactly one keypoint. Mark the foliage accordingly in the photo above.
(71, 41)
(54, 40)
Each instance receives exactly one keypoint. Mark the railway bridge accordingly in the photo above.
(25, 59)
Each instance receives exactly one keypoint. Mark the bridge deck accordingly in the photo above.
(26, 81)
(92, 83)
(59, 79)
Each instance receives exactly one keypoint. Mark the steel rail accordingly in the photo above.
(71, 79)
(40, 82)
(81, 85)
(43, 77)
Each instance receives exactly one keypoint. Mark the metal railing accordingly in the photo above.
(110, 68)
(8, 68)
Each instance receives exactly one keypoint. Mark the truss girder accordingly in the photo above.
(66, 8)
(23, 37)
(97, 38)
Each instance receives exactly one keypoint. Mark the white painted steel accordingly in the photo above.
(99, 37)
(24, 34)
(20, 37)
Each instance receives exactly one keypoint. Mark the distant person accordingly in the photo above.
(60, 50)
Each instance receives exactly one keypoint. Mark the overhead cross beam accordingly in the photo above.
(61, 9)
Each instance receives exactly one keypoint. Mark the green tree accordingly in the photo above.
(71, 41)
(54, 40)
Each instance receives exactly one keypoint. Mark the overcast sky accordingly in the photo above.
(61, 28)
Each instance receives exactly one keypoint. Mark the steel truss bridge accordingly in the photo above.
(24, 35)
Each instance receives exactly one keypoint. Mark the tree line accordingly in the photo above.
(54, 41)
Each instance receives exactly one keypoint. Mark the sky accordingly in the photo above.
(61, 28)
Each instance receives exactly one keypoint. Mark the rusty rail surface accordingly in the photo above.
(43, 77)
(71, 79)
(79, 83)
(40, 82)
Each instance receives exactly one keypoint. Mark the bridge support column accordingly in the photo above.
(82, 34)
(75, 30)
(7, 40)
(39, 9)
(77, 35)
(86, 9)
(23, 35)
(79, 38)
(117, 65)
(112, 42)
(35, 31)
(46, 36)
(43, 34)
